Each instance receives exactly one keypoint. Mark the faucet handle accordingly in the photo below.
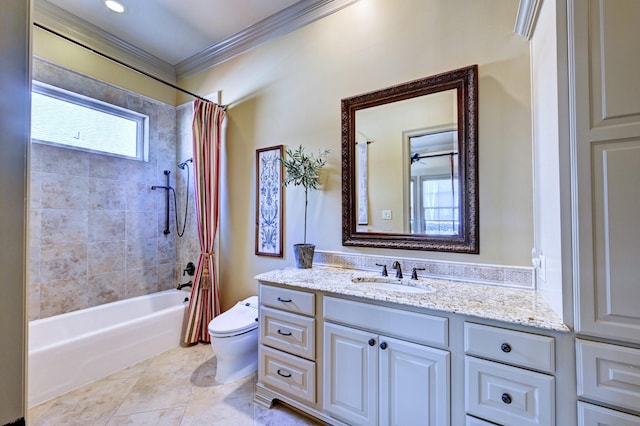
(384, 269)
(414, 273)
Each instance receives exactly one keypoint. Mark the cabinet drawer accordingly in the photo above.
(421, 328)
(290, 332)
(292, 375)
(608, 373)
(513, 347)
(472, 421)
(593, 415)
(299, 302)
(508, 395)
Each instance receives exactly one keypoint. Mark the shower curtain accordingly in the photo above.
(204, 303)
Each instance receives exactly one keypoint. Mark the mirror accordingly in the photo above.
(409, 165)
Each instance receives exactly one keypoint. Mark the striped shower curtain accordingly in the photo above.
(207, 134)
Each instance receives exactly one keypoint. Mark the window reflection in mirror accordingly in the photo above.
(433, 201)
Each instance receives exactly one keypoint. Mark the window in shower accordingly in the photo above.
(60, 117)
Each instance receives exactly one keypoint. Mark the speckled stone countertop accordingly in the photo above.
(510, 305)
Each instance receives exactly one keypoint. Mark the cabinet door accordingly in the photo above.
(605, 136)
(414, 384)
(593, 415)
(350, 374)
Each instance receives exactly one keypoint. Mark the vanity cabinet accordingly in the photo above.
(374, 378)
(509, 394)
(287, 354)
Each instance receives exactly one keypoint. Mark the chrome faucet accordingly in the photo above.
(398, 268)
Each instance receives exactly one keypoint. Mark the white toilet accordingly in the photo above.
(234, 340)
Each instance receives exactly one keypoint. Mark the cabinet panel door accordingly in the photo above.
(593, 415)
(414, 384)
(606, 140)
(608, 373)
(350, 374)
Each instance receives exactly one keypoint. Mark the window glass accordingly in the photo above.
(64, 118)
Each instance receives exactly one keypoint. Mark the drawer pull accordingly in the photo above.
(383, 345)
(506, 398)
(284, 333)
(505, 347)
(280, 299)
(280, 373)
(372, 342)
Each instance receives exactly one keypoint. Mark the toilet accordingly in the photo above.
(234, 340)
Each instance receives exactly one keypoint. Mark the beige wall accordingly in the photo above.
(288, 92)
(66, 54)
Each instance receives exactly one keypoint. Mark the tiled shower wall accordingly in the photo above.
(96, 227)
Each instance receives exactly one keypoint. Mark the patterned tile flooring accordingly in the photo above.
(174, 388)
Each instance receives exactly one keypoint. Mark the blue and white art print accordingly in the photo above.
(269, 174)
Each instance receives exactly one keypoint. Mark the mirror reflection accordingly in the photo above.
(410, 165)
(407, 153)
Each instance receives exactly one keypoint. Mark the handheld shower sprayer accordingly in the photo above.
(169, 188)
(182, 165)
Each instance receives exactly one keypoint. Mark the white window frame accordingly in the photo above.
(141, 120)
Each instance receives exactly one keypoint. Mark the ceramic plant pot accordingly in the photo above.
(304, 255)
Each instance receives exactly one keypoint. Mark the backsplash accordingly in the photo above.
(509, 276)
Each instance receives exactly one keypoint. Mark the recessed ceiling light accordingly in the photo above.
(115, 6)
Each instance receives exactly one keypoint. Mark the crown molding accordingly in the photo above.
(526, 19)
(298, 15)
(281, 23)
(84, 32)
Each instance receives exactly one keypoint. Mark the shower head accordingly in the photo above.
(182, 165)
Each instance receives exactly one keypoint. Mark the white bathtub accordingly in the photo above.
(71, 350)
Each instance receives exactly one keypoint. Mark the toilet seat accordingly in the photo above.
(243, 317)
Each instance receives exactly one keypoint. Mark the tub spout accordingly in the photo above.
(181, 286)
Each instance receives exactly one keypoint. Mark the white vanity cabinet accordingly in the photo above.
(287, 354)
(371, 377)
(509, 394)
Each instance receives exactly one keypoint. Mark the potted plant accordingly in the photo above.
(303, 169)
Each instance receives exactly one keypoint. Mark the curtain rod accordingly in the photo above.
(124, 64)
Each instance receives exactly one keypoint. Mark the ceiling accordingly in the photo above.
(178, 38)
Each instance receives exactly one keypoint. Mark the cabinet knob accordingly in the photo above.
(284, 333)
(383, 345)
(506, 398)
(372, 342)
(280, 299)
(285, 374)
(505, 347)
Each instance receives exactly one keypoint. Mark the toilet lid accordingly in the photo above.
(241, 318)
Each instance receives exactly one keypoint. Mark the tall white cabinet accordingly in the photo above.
(604, 81)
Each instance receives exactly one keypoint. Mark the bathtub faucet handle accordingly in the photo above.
(190, 269)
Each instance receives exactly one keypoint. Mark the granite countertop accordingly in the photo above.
(510, 305)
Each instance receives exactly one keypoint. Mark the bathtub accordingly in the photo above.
(71, 350)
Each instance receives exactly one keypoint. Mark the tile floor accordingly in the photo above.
(174, 388)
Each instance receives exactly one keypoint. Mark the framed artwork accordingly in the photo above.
(269, 201)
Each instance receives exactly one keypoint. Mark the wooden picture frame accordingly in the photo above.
(269, 201)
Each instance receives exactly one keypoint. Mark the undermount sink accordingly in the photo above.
(404, 285)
